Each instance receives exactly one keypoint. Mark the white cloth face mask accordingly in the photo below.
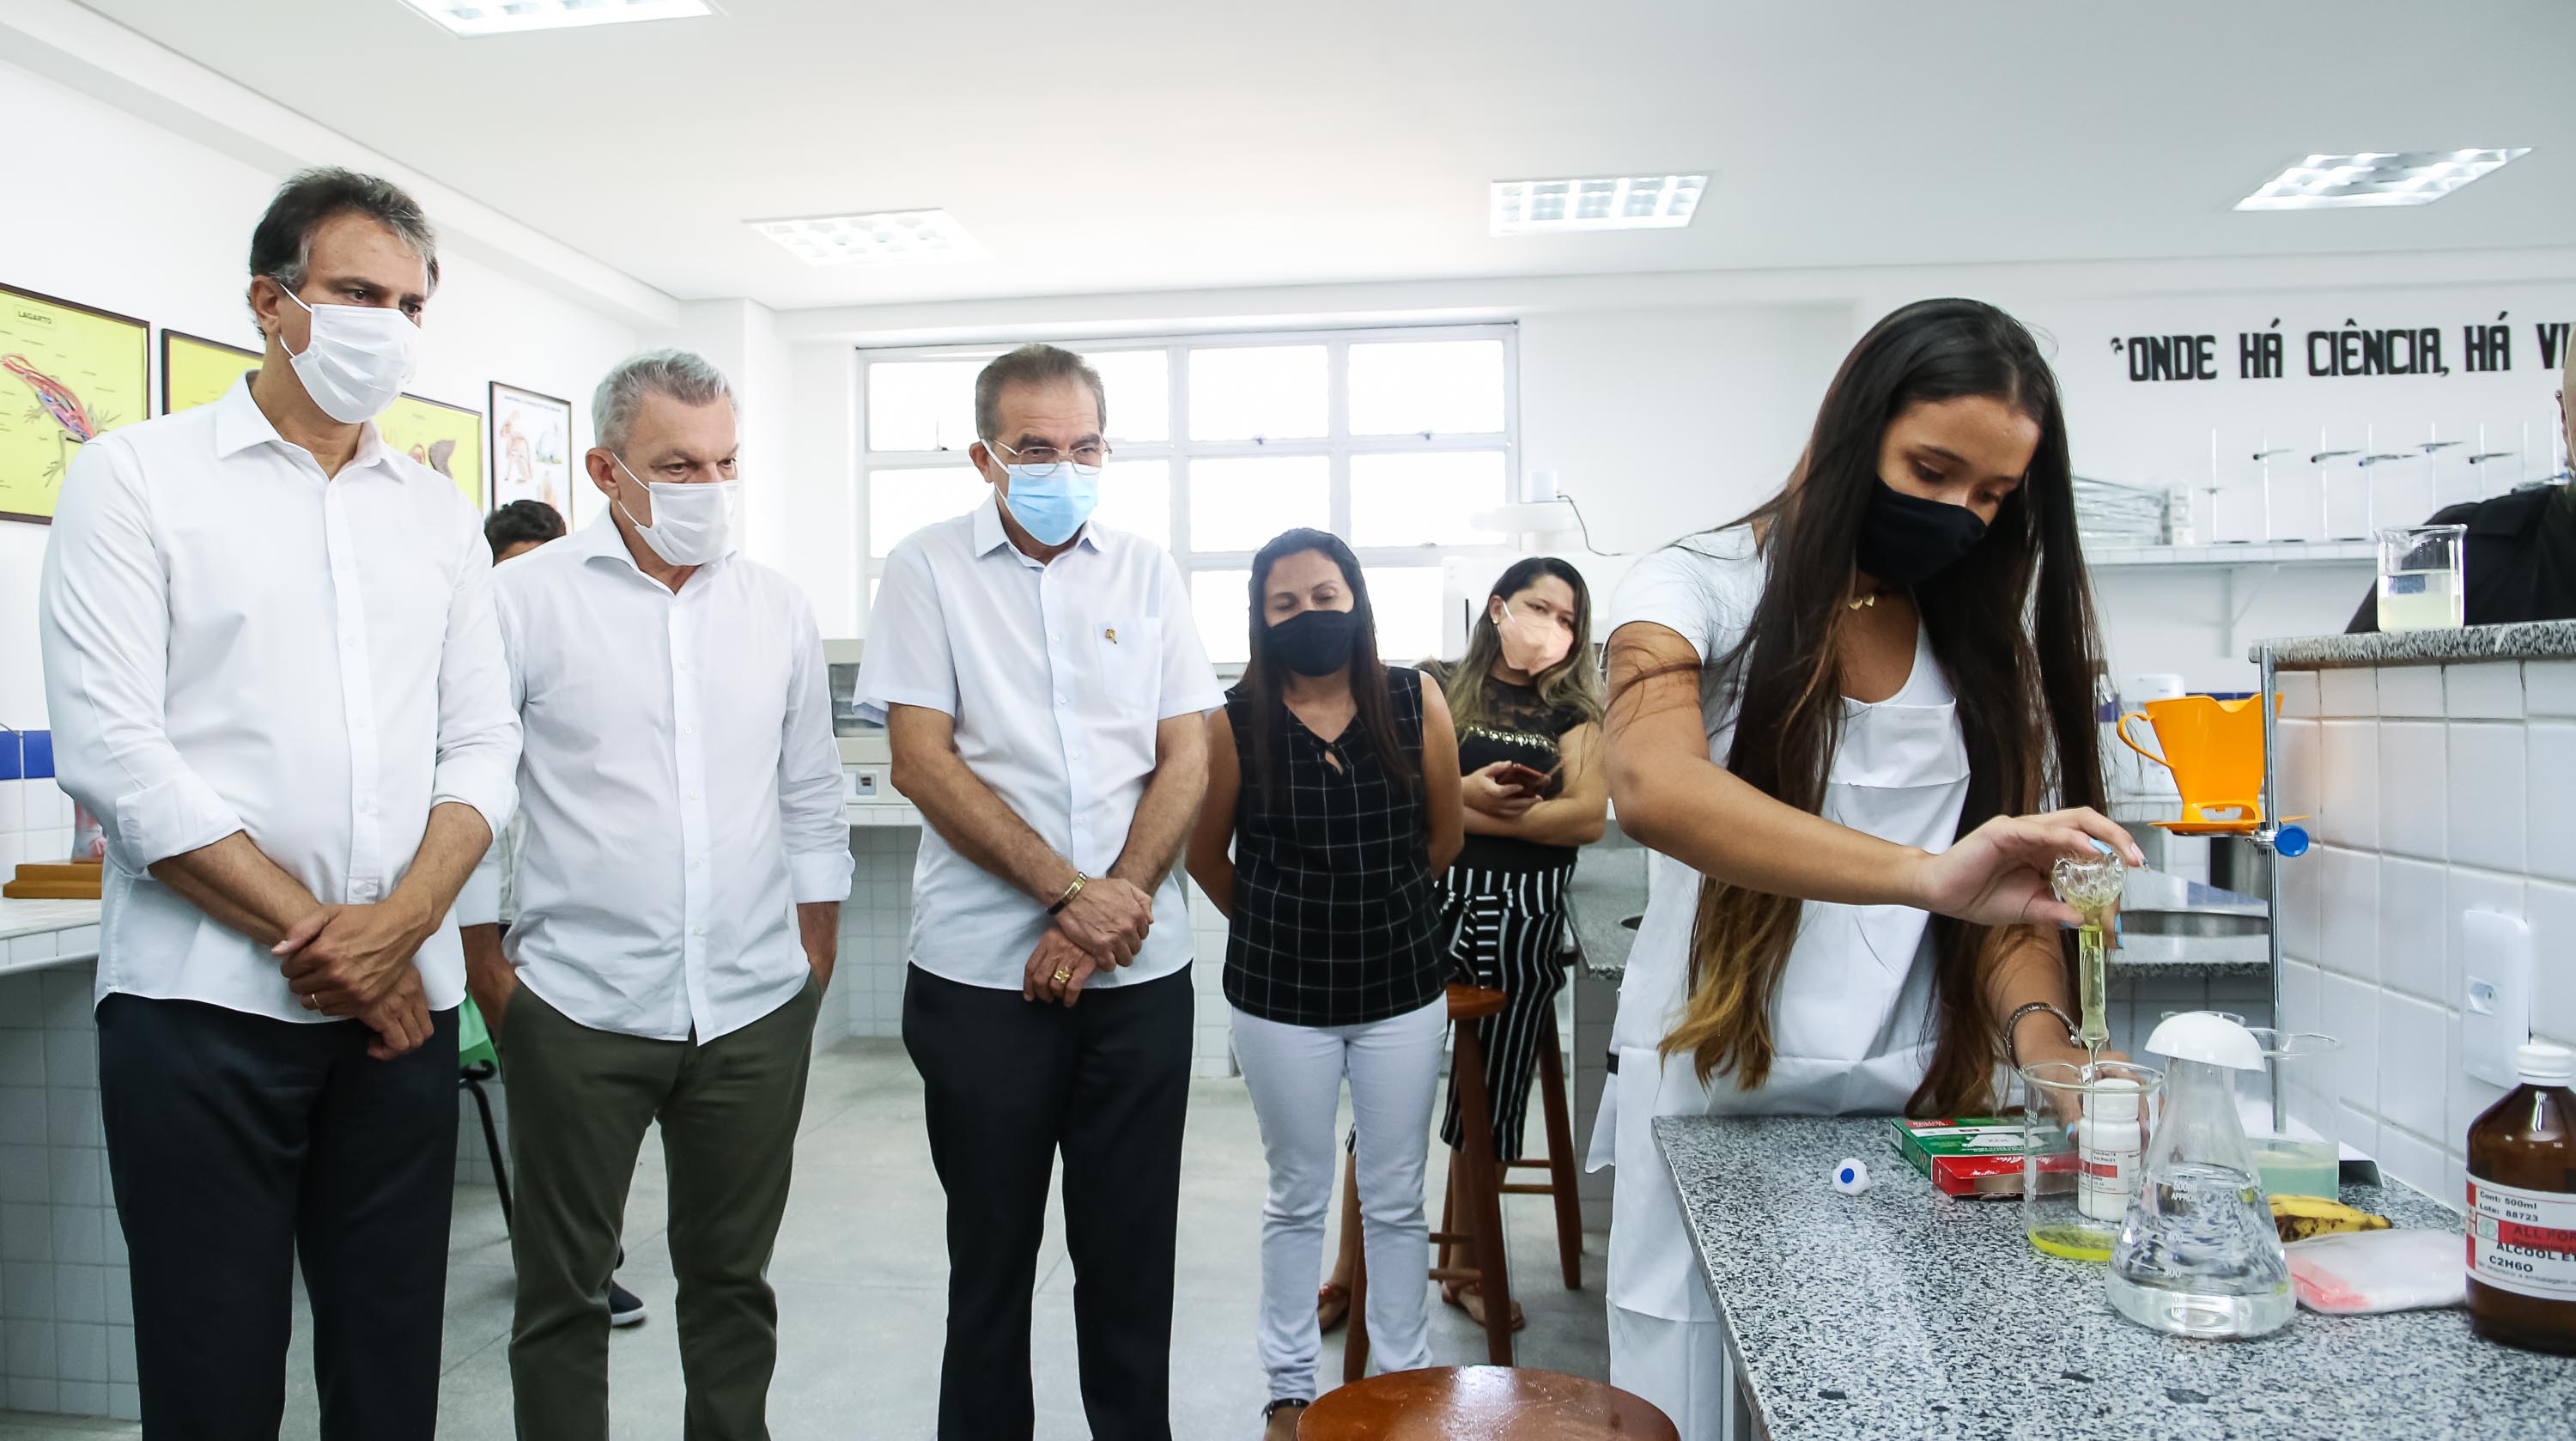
(357, 359)
(694, 523)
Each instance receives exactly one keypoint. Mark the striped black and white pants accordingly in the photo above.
(1505, 932)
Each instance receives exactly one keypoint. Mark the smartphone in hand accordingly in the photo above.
(1529, 780)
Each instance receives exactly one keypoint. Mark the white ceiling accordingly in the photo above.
(1168, 144)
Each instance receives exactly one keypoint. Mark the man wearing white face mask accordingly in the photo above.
(683, 798)
(274, 676)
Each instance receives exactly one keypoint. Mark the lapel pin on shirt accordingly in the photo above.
(1110, 634)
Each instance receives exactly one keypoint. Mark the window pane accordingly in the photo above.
(1424, 498)
(921, 404)
(1444, 387)
(1139, 383)
(1136, 497)
(1221, 599)
(1241, 504)
(1407, 600)
(1258, 393)
(903, 501)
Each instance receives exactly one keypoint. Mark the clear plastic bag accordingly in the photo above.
(2365, 1272)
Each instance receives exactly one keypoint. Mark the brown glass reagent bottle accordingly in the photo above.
(2522, 1208)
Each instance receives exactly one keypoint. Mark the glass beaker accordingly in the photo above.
(2423, 573)
(2084, 1134)
(2294, 1145)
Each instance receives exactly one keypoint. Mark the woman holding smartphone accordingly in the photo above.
(1836, 720)
(1526, 700)
(1333, 783)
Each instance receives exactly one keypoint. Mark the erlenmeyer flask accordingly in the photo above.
(2198, 1254)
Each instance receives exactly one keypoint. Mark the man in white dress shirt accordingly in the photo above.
(274, 677)
(1042, 682)
(679, 893)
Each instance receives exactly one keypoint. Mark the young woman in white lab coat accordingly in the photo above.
(1843, 722)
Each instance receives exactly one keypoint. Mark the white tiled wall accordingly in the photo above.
(35, 821)
(2434, 790)
(66, 1311)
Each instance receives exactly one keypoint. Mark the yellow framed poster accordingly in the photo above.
(68, 374)
(195, 370)
(446, 438)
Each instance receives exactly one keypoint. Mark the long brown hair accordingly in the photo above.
(1373, 703)
(2011, 624)
(1572, 684)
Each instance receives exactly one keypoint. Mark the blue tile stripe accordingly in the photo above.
(36, 755)
(8, 755)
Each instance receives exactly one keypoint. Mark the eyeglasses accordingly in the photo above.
(1090, 455)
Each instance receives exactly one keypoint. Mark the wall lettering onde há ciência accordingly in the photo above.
(2348, 351)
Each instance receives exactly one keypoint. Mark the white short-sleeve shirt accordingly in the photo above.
(1057, 676)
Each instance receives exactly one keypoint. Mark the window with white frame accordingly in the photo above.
(1391, 439)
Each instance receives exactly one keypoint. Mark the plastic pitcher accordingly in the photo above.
(2214, 749)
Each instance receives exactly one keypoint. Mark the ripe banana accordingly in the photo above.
(2299, 1217)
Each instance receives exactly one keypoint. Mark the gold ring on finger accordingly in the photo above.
(1062, 975)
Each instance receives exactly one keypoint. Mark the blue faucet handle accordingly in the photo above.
(2290, 842)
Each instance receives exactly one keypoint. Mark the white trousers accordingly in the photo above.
(1295, 1076)
(1677, 1365)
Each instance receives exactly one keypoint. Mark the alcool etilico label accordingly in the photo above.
(2523, 1241)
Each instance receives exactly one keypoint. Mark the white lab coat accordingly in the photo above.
(1850, 1019)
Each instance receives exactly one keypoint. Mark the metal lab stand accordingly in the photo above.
(2284, 842)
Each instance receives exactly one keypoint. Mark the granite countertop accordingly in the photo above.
(2531, 640)
(1901, 1312)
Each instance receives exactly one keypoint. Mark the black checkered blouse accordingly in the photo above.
(1334, 909)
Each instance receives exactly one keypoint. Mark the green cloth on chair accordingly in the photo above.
(473, 1038)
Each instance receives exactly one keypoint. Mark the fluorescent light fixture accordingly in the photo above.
(1610, 202)
(886, 237)
(472, 18)
(2405, 177)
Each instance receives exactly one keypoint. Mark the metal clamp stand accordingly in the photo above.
(2284, 842)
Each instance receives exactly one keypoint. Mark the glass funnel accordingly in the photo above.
(2093, 887)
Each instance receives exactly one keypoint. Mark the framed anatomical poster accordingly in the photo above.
(531, 449)
(195, 370)
(446, 438)
(68, 373)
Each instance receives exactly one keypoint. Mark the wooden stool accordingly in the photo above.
(1483, 1238)
(1559, 1165)
(1490, 1403)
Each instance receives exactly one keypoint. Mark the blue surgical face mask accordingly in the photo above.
(1052, 501)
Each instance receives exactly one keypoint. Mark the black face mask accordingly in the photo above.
(1906, 540)
(1313, 642)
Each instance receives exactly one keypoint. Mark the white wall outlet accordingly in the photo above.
(2495, 999)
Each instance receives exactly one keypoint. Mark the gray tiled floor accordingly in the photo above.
(861, 1271)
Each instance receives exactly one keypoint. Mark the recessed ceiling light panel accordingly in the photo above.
(887, 237)
(2404, 177)
(1610, 202)
(473, 18)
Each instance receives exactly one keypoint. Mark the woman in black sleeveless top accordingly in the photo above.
(1333, 782)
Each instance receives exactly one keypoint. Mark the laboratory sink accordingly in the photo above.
(2194, 925)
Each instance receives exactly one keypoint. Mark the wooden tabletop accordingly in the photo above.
(1485, 1403)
